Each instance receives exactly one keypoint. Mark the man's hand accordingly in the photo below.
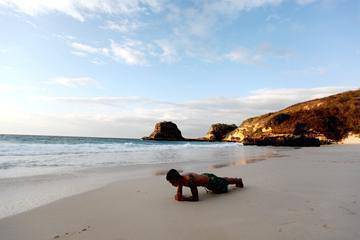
(193, 198)
(189, 199)
(178, 198)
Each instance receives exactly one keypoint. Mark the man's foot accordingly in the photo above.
(239, 183)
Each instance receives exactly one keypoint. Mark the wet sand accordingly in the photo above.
(310, 193)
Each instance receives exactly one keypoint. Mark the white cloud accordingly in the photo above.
(7, 68)
(305, 2)
(97, 61)
(319, 70)
(130, 52)
(11, 88)
(4, 50)
(168, 52)
(64, 37)
(137, 115)
(108, 101)
(7, 87)
(273, 17)
(244, 55)
(79, 54)
(195, 27)
(257, 55)
(84, 48)
(261, 99)
(73, 81)
(310, 71)
(189, 28)
(202, 18)
(82, 9)
(123, 26)
(273, 98)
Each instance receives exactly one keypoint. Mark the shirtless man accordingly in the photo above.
(193, 180)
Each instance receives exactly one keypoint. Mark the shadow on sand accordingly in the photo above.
(208, 195)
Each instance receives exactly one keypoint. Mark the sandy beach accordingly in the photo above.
(308, 193)
(119, 118)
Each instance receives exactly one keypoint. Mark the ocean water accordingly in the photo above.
(36, 170)
(24, 155)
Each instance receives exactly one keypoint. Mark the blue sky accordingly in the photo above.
(114, 68)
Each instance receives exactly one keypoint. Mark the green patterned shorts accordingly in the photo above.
(216, 184)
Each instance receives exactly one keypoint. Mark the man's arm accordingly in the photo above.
(179, 196)
(194, 197)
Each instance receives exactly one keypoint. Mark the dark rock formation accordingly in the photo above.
(218, 131)
(283, 140)
(329, 119)
(165, 131)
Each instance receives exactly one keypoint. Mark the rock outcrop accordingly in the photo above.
(283, 140)
(218, 131)
(165, 131)
(329, 119)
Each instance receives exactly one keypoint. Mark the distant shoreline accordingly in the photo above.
(65, 136)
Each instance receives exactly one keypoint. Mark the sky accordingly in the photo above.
(114, 68)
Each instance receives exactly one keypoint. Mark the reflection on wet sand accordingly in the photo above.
(244, 161)
(219, 165)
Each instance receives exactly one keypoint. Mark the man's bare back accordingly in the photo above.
(194, 180)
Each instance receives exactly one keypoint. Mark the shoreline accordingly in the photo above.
(19, 194)
(310, 193)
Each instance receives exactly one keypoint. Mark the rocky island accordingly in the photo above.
(167, 131)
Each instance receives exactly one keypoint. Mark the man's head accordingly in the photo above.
(174, 177)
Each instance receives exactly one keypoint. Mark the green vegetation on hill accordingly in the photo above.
(331, 118)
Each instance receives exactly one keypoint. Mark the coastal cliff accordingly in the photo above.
(315, 122)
